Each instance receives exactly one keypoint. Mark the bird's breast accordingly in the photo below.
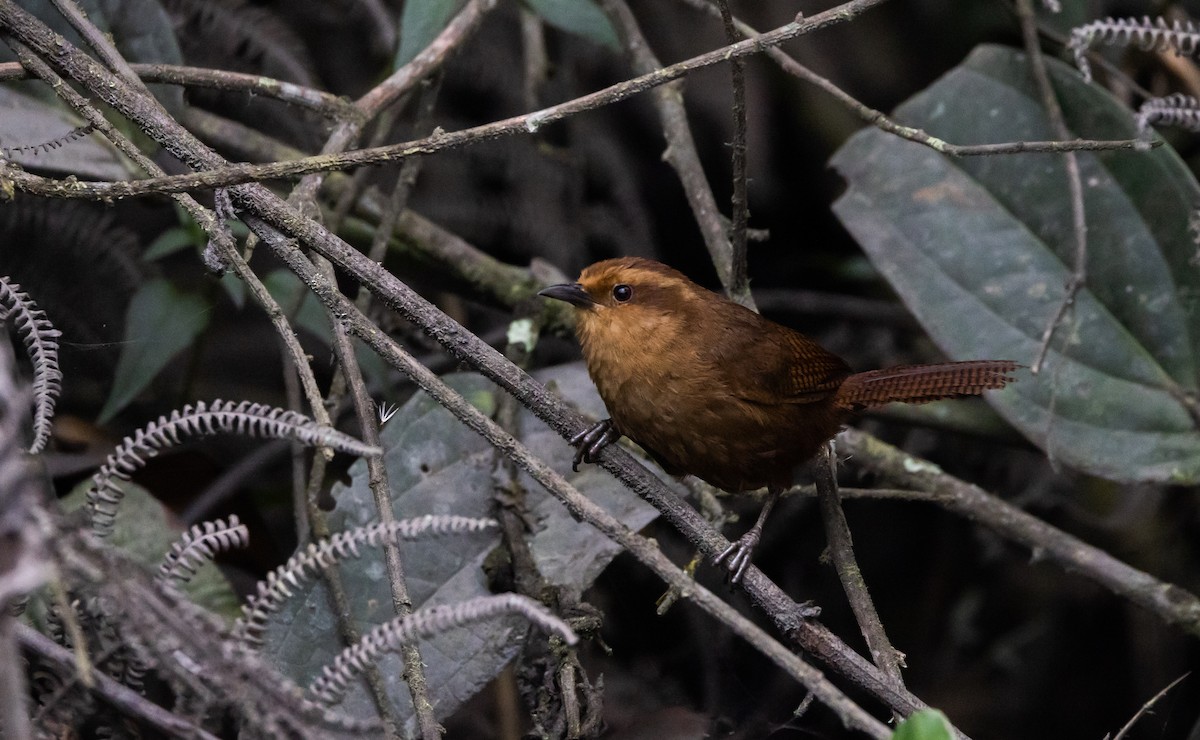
(660, 392)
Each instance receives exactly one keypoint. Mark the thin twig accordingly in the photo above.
(297, 457)
(226, 175)
(514, 516)
(377, 481)
(1037, 63)
(841, 552)
(681, 151)
(15, 722)
(236, 174)
(318, 101)
(739, 206)
(369, 105)
(1146, 707)
(339, 598)
(1169, 602)
(534, 57)
(96, 39)
(884, 123)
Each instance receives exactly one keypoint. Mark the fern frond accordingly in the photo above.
(219, 417)
(41, 342)
(306, 564)
(74, 134)
(200, 545)
(1180, 111)
(329, 687)
(1147, 34)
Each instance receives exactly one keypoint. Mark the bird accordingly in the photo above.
(709, 388)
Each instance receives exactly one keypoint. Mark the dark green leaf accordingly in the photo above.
(927, 724)
(438, 466)
(980, 250)
(420, 23)
(169, 242)
(162, 321)
(580, 17)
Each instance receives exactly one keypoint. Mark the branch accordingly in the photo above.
(224, 175)
(201, 215)
(681, 151)
(739, 207)
(1029, 32)
(1171, 603)
(1145, 708)
(884, 123)
(426, 63)
(841, 552)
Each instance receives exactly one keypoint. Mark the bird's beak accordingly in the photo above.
(572, 293)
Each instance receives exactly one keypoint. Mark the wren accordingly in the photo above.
(710, 388)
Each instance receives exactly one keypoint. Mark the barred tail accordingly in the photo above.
(923, 383)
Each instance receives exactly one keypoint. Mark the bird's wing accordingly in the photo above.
(763, 362)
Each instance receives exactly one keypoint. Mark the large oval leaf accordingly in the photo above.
(438, 466)
(980, 249)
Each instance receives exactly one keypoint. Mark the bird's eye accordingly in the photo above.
(622, 292)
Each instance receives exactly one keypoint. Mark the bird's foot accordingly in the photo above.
(738, 555)
(591, 440)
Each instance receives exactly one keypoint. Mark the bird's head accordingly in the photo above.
(629, 284)
(631, 311)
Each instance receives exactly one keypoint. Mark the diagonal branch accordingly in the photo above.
(1029, 32)
(681, 151)
(1169, 602)
(221, 174)
(841, 552)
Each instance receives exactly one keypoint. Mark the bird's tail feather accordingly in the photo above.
(923, 383)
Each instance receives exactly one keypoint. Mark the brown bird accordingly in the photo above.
(712, 389)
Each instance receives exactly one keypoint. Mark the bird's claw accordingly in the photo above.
(591, 441)
(738, 555)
